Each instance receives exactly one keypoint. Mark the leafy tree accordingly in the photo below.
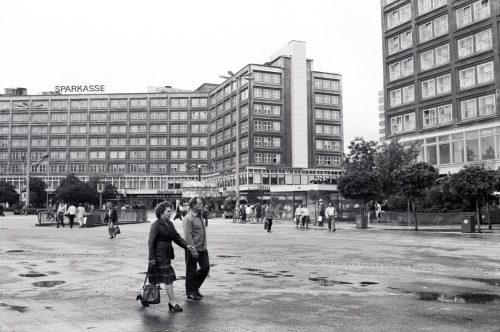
(8, 193)
(474, 182)
(413, 180)
(361, 154)
(391, 157)
(73, 190)
(359, 184)
(38, 192)
(110, 191)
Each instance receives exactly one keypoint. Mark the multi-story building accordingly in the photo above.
(290, 123)
(441, 78)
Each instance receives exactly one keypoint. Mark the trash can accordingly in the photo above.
(468, 223)
(361, 221)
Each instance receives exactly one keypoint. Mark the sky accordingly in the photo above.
(130, 45)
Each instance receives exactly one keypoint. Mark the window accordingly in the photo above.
(444, 114)
(487, 105)
(118, 103)
(484, 72)
(466, 15)
(158, 103)
(401, 69)
(408, 122)
(468, 108)
(398, 16)
(428, 89)
(403, 123)
(443, 84)
(425, 6)
(397, 98)
(441, 115)
(436, 57)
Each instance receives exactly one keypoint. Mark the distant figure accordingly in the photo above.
(258, 212)
(298, 217)
(330, 214)
(322, 210)
(305, 216)
(1, 211)
(61, 209)
(378, 209)
(71, 212)
(269, 216)
(112, 219)
(80, 215)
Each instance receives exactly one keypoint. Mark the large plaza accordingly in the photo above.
(383, 278)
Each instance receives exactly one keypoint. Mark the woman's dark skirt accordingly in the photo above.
(162, 274)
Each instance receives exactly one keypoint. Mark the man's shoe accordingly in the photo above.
(334, 230)
(194, 297)
(199, 294)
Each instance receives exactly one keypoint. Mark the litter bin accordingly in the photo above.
(361, 221)
(468, 223)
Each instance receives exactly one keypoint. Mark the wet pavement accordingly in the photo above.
(384, 278)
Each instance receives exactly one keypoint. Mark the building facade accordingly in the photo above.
(441, 79)
(290, 129)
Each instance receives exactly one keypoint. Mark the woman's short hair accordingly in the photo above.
(194, 200)
(161, 207)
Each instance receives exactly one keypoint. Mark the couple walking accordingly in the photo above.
(161, 252)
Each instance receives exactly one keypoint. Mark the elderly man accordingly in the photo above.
(195, 234)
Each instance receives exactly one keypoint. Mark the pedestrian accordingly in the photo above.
(161, 252)
(80, 214)
(61, 209)
(112, 219)
(263, 212)
(257, 213)
(378, 209)
(195, 234)
(1, 211)
(322, 210)
(269, 216)
(305, 216)
(298, 217)
(205, 213)
(330, 214)
(243, 213)
(249, 213)
(142, 209)
(71, 212)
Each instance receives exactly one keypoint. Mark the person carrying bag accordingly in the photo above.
(150, 293)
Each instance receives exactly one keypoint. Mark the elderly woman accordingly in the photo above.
(161, 235)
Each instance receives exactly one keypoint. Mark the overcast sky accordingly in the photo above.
(130, 45)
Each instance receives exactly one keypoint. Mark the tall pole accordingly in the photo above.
(199, 172)
(237, 166)
(28, 164)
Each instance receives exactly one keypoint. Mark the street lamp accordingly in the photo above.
(237, 120)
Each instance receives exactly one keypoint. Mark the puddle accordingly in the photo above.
(475, 298)
(323, 281)
(288, 275)
(16, 251)
(51, 261)
(18, 308)
(269, 276)
(231, 273)
(367, 283)
(33, 275)
(48, 283)
(53, 272)
(227, 256)
(250, 269)
(283, 271)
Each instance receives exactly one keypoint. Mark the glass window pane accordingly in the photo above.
(444, 153)
(488, 148)
(458, 152)
(432, 155)
(472, 150)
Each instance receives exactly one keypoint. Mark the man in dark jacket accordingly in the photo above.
(111, 218)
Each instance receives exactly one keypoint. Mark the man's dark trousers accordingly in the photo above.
(194, 277)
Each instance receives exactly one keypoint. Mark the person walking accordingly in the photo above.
(80, 214)
(195, 235)
(1, 211)
(330, 214)
(61, 209)
(71, 212)
(257, 213)
(322, 210)
(112, 219)
(298, 216)
(305, 216)
(269, 216)
(378, 209)
(161, 252)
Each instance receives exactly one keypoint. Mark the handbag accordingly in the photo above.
(116, 230)
(266, 224)
(150, 293)
(320, 218)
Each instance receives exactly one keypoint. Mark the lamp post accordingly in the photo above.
(193, 167)
(238, 81)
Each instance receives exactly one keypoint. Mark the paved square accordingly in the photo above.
(383, 278)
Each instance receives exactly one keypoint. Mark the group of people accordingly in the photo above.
(63, 210)
(303, 216)
(161, 252)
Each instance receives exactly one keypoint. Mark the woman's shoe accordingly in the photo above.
(139, 297)
(174, 308)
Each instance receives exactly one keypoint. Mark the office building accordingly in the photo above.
(441, 79)
(148, 144)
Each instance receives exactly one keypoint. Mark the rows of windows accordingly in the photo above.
(327, 145)
(267, 78)
(266, 93)
(267, 125)
(327, 129)
(326, 99)
(265, 109)
(268, 158)
(470, 146)
(326, 84)
(326, 114)
(265, 141)
(327, 160)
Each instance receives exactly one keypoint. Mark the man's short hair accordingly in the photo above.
(194, 200)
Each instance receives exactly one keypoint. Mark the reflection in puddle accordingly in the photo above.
(227, 256)
(48, 283)
(367, 283)
(476, 298)
(323, 281)
(16, 251)
(33, 275)
(250, 269)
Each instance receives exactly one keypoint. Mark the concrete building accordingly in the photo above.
(441, 78)
(148, 144)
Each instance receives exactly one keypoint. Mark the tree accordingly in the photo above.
(361, 154)
(8, 193)
(73, 190)
(38, 192)
(474, 182)
(110, 191)
(359, 184)
(413, 180)
(391, 157)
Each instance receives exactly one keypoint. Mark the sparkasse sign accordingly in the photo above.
(80, 88)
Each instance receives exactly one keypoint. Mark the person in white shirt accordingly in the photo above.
(71, 212)
(80, 214)
(305, 216)
(298, 217)
(378, 209)
(330, 214)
